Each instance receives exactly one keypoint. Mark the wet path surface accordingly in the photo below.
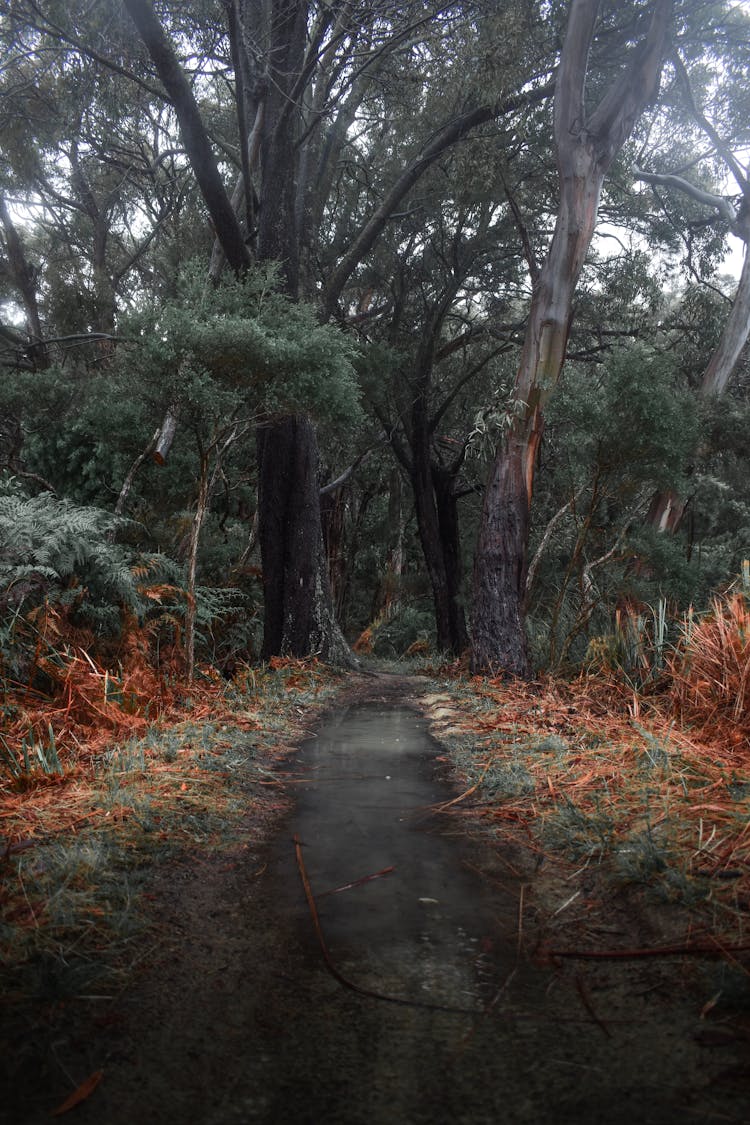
(368, 808)
(520, 1046)
(241, 1022)
(426, 933)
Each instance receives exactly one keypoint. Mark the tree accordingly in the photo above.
(303, 69)
(586, 143)
(299, 617)
(667, 508)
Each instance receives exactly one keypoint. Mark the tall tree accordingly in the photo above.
(586, 143)
(298, 607)
(303, 73)
(667, 508)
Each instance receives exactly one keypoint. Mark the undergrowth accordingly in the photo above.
(651, 788)
(76, 847)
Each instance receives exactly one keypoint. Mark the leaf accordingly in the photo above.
(79, 1095)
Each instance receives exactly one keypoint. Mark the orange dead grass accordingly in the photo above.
(710, 671)
(196, 778)
(90, 709)
(595, 748)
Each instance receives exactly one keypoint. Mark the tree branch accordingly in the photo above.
(193, 131)
(722, 206)
(722, 148)
(442, 140)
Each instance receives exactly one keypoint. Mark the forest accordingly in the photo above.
(354, 338)
(467, 279)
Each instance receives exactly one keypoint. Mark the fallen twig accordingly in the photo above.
(358, 882)
(339, 976)
(586, 1001)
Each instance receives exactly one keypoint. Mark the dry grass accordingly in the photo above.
(135, 791)
(653, 790)
(710, 671)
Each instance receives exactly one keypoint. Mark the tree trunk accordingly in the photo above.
(333, 517)
(585, 146)
(193, 131)
(299, 618)
(497, 631)
(437, 523)
(299, 615)
(429, 537)
(443, 483)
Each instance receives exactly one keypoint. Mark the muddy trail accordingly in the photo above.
(372, 964)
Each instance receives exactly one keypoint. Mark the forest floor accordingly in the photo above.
(162, 961)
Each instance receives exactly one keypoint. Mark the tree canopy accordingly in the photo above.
(361, 299)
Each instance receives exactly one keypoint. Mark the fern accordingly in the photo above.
(57, 562)
(47, 544)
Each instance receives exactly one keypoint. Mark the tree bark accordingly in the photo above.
(333, 521)
(299, 610)
(435, 507)
(446, 502)
(585, 148)
(498, 637)
(299, 619)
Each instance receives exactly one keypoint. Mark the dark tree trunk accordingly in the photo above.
(387, 597)
(437, 523)
(429, 537)
(333, 515)
(437, 517)
(278, 236)
(444, 481)
(194, 135)
(299, 617)
(498, 635)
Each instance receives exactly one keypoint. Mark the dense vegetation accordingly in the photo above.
(381, 185)
(381, 330)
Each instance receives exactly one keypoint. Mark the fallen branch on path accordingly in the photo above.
(357, 882)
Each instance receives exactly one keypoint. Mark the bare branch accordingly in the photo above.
(718, 203)
(442, 140)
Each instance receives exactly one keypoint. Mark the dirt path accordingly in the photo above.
(236, 1017)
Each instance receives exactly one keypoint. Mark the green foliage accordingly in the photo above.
(226, 622)
(60, 550)
(97, 178)
(615, 437)
(244, 349)
(629, 424)
(410, 625)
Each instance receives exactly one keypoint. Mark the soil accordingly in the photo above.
(426, 994)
